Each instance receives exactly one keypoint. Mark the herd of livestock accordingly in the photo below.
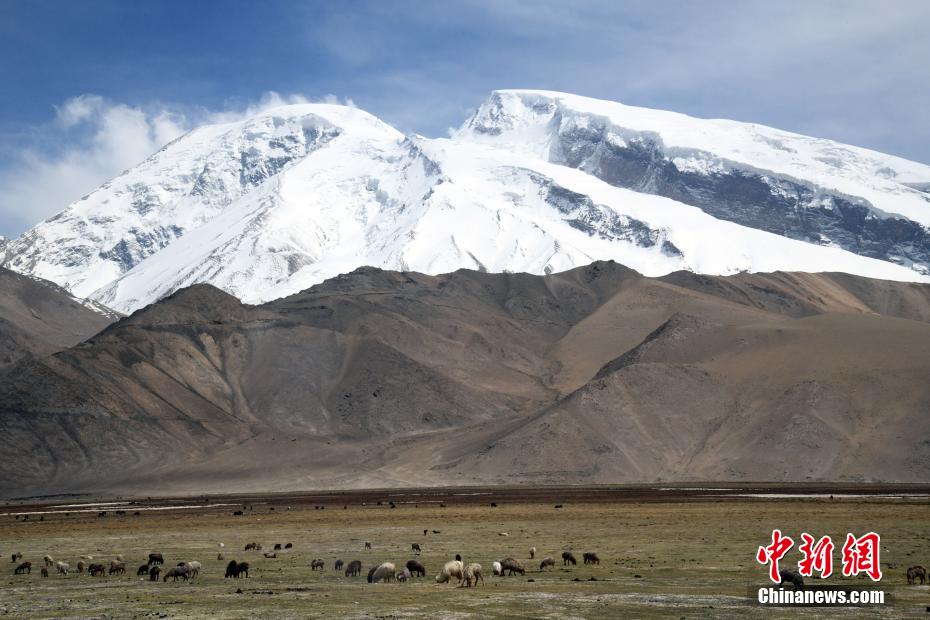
(454, 571)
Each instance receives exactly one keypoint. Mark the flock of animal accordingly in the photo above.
(454, 571)
(151, 569)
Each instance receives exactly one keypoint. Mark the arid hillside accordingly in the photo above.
(378, 378)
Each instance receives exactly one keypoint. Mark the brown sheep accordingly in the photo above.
(25, 567)
(17, 557)
(916, 572)
(368, 545)
(97, 569)
(568, 558)
(232, 569)
(546, 563)
(44, 572)
(153, 573)
(117, 568)
(591, 558)
(142, 570)
(415, 547)
(316, 564)
(512, 566)
(242, 570)
(184, 572)
(156, 558)
(80, 566)
(338, 565)
(354, 569)
(49, 560)
(471, 575)
(416, 568)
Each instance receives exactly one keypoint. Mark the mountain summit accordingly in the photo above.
(535, 181)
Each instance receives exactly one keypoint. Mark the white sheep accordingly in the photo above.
(497, 568)
(452, 569)
(194, 567)
(385, 572)
(532, 552)
(49, 560)
(471, 575)
(62, 567)
(403, 575)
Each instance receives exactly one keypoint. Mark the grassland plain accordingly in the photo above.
(678, 559)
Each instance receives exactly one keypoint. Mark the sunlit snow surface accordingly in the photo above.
(274, 204)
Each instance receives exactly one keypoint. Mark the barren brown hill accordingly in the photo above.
(38, 317)
(379, 378)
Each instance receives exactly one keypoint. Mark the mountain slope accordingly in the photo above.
(379, 378)
(804, 188)
(534, 182)
(39, 318)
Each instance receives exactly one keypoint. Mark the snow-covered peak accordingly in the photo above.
(535, 181)
(536, 122)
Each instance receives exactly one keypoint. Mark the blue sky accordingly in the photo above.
(90, 87)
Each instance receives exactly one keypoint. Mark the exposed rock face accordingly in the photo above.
(378, 378)
(38, 318)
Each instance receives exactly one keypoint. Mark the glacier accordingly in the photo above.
(534, 181)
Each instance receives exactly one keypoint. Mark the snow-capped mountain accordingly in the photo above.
(535, 181)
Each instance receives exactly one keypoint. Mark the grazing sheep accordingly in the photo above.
(354, 569)
(25, 567)
(339, 564)
(153, 573)
(792, 577)
(44, 572)
(315, 564)
(415, 547)
(471, 575)
(119, 558)
(916, 572)
(546, 563)
(220, 557)
(591, 558)
(117, 568)
(62, 568)
(252, 547)
(416, 568)
(194, 567)
(450, 570)
(156, 558)
(143, 570)
(17, 557)
(532, 553)
(568, 558)
(97, 569)
(385, 572)
(183, 572)
(368, 545)
(497, 569)
(512, 566)
(270, 555)
(403, 575)
(237, 569)
(277, 547)
(49, 560)
(289, 546)
(80, 566)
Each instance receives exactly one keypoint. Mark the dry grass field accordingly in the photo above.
(682, 558)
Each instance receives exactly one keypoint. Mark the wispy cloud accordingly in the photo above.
(90, 139)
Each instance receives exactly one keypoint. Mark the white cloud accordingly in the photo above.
(91, 140)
